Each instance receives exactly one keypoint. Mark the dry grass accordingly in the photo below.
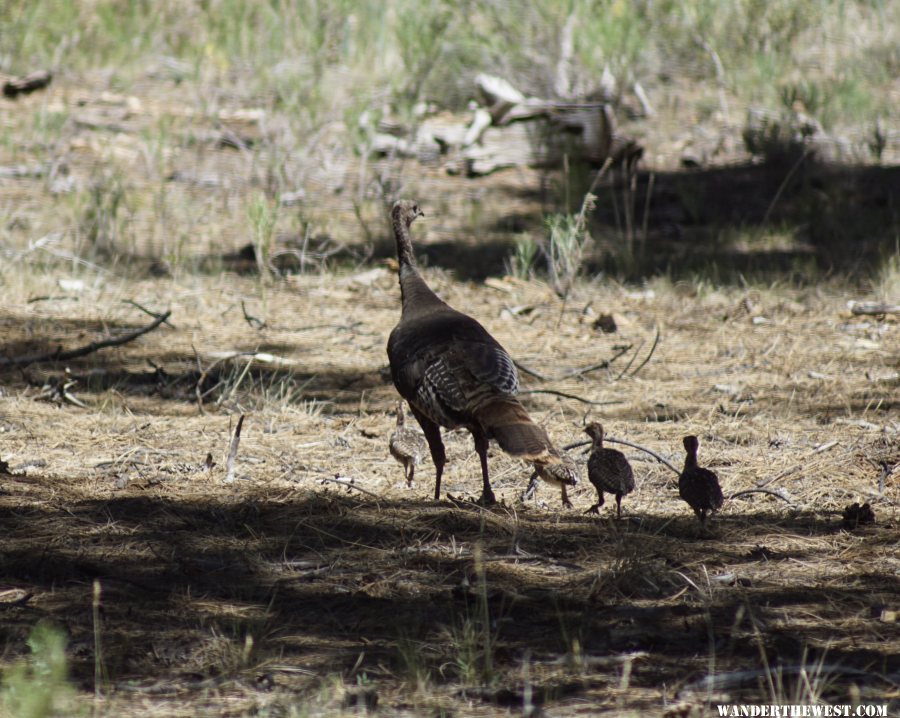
(317, 581)
(286, 592)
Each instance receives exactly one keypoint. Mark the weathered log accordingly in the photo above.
(16, 86)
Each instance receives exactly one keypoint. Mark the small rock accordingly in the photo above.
(71, 285)
(287, 199)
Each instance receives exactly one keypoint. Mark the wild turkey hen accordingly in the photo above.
(406, 445)
(699, 486)
(453, 372)
(608, 470)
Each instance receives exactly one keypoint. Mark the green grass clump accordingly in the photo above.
(310, 57)
(37, 686)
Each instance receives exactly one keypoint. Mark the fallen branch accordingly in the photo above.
(47, 298)
(144, 309)
(796, 467)
(874, 308)
(746, 492)
(786, 472)
(824, 447)
(571, 396)
(605, 364)
(349, 484)
(630, 361)
(652, 349)
(60, 355)
(16, 86)
(531, 372)
(232, 454)
(70, 397)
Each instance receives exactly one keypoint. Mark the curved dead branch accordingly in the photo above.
(60, 355)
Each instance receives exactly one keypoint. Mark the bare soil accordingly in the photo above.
(316, 583)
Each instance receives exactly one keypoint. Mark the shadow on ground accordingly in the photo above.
(765, 222)
(331, 584)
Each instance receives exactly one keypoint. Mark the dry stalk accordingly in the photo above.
(232, 454)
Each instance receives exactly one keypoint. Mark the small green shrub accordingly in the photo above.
(567, 246)
(521, 262)
(262, 215)
(38, 686)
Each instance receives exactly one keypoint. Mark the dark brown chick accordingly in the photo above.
(560, 473)
(407, 446)
(608, 470)
(699, 486)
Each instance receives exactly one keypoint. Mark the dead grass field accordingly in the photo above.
(316, 583)
(287, 593)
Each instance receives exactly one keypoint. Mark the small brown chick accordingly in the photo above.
(560, 473)
(407, 446)
(699, 486)
(854, 515)
(608, 470)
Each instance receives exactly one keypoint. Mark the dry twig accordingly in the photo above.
(747, 492)
(531, 372)
(630, 361)
(60, 355)
(649, 356)
(251, 320)
(348, 483)
(144, 309)
(874, 308)
(570, 396)
(605, 364)
(232, 454)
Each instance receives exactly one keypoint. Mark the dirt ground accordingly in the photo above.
(316, 583)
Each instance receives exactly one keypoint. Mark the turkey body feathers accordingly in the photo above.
(610, 471)
(454, 372)
(700, 489)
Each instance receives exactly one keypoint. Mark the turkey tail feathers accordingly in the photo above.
(507, 421)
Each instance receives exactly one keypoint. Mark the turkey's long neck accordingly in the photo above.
(404, 241)
(690, 461)
(414, 292)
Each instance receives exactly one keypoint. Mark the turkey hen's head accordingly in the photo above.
(405, 212)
